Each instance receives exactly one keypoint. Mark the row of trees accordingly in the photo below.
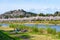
(57, 13)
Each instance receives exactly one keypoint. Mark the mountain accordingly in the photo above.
(17, 14)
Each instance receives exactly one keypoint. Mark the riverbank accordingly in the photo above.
(34, 22)
(32, 33)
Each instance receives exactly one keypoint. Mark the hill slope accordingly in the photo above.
(17, 14)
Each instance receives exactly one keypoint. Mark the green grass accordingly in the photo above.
(4, 36)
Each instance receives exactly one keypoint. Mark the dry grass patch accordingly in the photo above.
(42, 37)
(6, 28)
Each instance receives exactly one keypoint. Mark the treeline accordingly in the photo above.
(57, 13)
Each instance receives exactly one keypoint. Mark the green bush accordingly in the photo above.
(23, 27)
(58, 34)
(54, 31)
(35, 29)
(51, 30)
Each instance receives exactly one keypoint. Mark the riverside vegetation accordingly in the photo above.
(34, 22)
(22, 32)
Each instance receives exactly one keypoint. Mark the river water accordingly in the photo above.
(57, 27)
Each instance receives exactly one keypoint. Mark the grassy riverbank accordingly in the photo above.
(22, 32)
(56, 22)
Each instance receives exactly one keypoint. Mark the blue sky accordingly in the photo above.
(44, 6)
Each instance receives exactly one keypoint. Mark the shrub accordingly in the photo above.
(54, 31)
(35, 29)
(51, 31)
(58, 34)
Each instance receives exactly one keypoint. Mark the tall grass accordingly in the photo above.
(51, 30)
(34, 28)
(41, 30)
(58, 34)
